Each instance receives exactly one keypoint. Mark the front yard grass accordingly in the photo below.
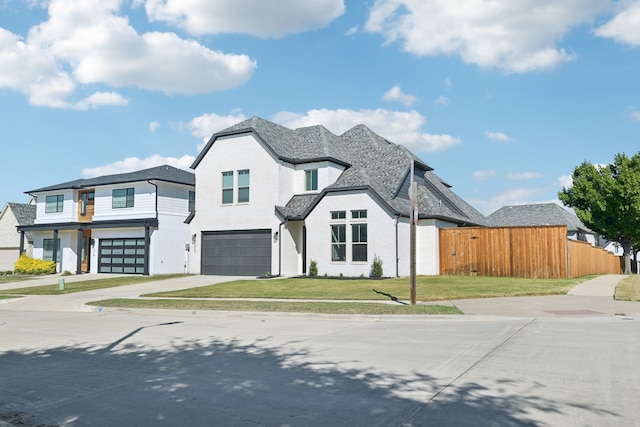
(12, 278)
(429, 288)
(279, 306)
(628, 289)
(87, 285)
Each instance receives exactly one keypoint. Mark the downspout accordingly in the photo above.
(280, 248)
(147, 235)
(397, 250)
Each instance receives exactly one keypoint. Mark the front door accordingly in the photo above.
(85, 251)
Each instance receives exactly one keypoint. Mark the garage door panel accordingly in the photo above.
(236, 253)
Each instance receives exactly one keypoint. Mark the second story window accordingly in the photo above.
(227, 187)
(243, 186)
(54, 203)
(192, 201)
(311, 180)
(122, 198)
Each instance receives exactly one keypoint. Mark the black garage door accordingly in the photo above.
(236, 253)
(121, 256)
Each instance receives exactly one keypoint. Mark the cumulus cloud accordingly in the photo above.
(207, 124)
(256, 17)
(400, 127)
(153, 126)
(514, 36)
(353, 30)
(625, 26)
(523, 175)
(498, 136)
(484, 175)
(131, 164)
(565, 181)
(396, 94)
(513, 196)
(90, 42)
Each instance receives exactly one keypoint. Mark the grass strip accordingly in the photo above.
(12, 278)
(9, 296)
(429, 288)
(628, 289)
(89, 285)
(279, 306)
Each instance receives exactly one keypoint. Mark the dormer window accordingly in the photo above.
(311, 180)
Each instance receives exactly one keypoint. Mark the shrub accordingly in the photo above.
(376, 267)
(313, 268)
(67, 273)
(27, 265)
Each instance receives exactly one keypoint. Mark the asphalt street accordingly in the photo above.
(69, 365)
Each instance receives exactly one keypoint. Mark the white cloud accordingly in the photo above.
(514, 36)
(131, 164)
(523, 175)
(448, 84)
(153, 126)
(484, 175)
(513, 196)
(397, 126)
(498, 136)
(565, 181)
(442, 100)
(635, 115)
(351, 31)
(90, 42)
(207, 124)
(625, 26)
(256, 17)
(396, 94)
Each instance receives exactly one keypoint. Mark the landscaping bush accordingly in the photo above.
(376, 267)
(27, 265)
(313, 268)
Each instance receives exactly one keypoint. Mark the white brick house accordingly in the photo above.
(272, 199)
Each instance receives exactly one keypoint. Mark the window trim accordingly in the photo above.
(338, 215)
(242, 173)
(191, 206)
(337, 244)
(359, 242)
(129, 198)
(49, 242)
(311, 180)
(226, 189)
(59, 203)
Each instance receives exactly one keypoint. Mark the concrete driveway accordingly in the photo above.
(147, 367)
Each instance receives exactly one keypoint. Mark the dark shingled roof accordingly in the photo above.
(536, 214)
(164, 173)
(371, 161)
(25, 214)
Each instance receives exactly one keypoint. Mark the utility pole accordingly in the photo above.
(413, 216)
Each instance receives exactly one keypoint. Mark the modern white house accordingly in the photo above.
(124, 223)
(12, 216)
(271, 200)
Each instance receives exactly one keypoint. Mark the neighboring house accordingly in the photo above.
(125, 223)
(272, 199)
(543, 214)
(13, 215)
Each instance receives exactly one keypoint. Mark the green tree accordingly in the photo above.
(607, 200)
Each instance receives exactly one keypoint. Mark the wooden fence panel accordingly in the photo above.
(532, 252)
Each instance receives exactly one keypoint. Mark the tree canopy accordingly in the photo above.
(607, 200)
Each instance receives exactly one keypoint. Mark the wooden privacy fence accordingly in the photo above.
(533, 252)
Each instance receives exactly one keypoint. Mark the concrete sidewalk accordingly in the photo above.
(591, 298)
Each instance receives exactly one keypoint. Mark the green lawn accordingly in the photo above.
(628, 289)
(87, 285)
(12, 278)
(279, 306)
(9, 296)
(429, 288)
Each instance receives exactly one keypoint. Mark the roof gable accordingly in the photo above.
(371, 161)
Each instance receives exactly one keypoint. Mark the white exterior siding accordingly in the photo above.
(144, 203)
(68, 245)
(69, 208)
(168, 253)
(291, 249)
(428, 246)
(381, 233)
(173, 199)
(328, 173)
(9, 240)
(232, 154)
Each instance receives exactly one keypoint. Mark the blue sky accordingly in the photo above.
(503, 99)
